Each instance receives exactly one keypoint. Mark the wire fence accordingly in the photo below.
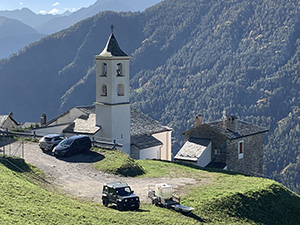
(7, 147)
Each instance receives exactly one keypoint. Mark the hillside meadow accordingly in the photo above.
(226, 197)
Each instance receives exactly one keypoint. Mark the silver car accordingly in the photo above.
(49, 141)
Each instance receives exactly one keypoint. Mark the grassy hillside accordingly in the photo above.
(227, 198)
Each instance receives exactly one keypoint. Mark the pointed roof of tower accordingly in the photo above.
(112, 48)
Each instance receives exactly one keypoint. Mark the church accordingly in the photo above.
(112, 119)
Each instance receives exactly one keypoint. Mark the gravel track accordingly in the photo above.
(76, 176)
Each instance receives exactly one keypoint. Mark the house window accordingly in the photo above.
(217, 152)
(104, 90)
(119, 69)
(120, 90)
(104, 70)
(241, 149)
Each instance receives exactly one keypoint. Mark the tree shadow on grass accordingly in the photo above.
(15, 164)
(127, 210)
(195, 217)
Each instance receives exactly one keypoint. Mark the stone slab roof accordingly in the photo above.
(83, 125)
(145, 141)
(191, 151)
(3, 118)
(142, 124)
(112, 48)
(244, 129)
(87, 109)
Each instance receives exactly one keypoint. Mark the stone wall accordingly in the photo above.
(252, 161)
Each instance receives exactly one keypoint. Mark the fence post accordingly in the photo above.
(22, 149)
(114, 144)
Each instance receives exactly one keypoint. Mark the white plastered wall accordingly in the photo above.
(205, 157)
(150, 153)
(166, 149)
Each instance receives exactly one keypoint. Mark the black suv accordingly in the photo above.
(121, 195)
(73, 145)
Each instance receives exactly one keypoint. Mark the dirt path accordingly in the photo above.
(75, 175)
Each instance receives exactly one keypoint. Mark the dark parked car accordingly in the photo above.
(121, 195)
(73, 145)
(49, 141)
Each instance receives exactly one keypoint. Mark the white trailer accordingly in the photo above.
(162, 194)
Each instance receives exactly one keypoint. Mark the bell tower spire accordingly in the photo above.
(112, 94)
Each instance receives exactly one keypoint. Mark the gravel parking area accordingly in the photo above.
(76, 176)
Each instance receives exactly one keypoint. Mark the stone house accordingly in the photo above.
(231, 144)
(8, 122)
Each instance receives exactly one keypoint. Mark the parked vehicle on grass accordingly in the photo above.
(121, 195)
(49, 141)
(73, 145)
(162, 194)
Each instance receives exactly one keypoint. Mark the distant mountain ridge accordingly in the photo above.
(60, 23)
(14, 35)
(188, 57)
(12, 27)
(28, 17)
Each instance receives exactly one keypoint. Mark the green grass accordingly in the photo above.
(225, 198)
(23, 202)
(116, 162)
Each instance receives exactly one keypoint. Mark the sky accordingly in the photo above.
(45, 6)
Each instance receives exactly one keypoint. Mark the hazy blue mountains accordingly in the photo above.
(27, 16)
(59, 23)
(14, 35)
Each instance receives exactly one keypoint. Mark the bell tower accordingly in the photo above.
(112, 94)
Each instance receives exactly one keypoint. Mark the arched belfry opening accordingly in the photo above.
(103, 90)
(119, 69)
(104, 69)
(120, 90)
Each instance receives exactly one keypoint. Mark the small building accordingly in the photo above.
(7, 122)
(149, 139)
(228, 144)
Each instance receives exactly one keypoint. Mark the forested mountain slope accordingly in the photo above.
(188, 57)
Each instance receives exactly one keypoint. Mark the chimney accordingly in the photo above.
(198, 120)
(43, 119)
(232, 124)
